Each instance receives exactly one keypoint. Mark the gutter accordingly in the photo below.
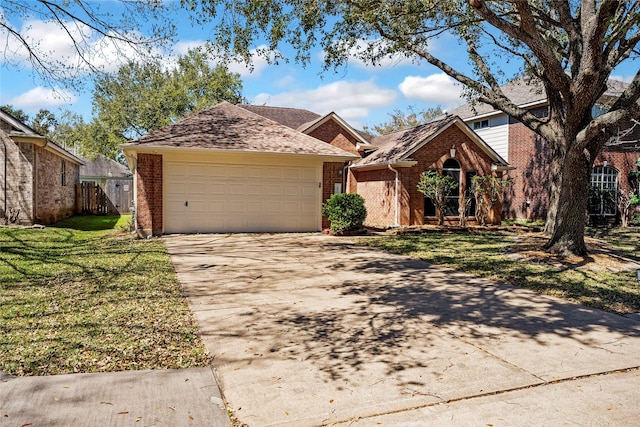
(397, 199)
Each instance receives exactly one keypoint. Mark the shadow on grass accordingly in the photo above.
(89, 222)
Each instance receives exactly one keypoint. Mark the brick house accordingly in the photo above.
(237, 168)
(528, 153)
(229, 169)
(37, 177)
(388, 178)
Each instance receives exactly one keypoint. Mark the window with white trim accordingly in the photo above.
(603, 193)
(481, 124)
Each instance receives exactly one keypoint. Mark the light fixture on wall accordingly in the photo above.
(452, 151)
(604, 163)
(494, 167)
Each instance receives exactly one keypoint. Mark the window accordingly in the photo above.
(603, 193)
(470, 199)
(452, 168)
(481, 124)
(337, 188)
(429, 207)
(63, 173)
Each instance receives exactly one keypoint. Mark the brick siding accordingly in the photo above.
(149, 195)
(378, 186)
(19, 179)
(54, 201)
(332, 172)
(528, 197)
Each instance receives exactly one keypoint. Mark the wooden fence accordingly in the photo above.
(92, 199)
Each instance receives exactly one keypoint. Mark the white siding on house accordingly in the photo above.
(496, 135)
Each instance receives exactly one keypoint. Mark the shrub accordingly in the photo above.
(345, 211)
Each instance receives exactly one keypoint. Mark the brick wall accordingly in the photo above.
(55, 200)
(19, 179)
(334, 134)
(378, 186)
(528, 196)
(332, 172)
(149, 195)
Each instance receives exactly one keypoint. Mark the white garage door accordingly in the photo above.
(201, 197)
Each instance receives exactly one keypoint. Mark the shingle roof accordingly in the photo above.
(233, 128)
(104, 167)
(398, 147)
(526, 91)
(394, 147)
(291, 117)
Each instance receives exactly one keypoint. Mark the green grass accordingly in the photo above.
(625, 240)
(81, 297)
(484, 254)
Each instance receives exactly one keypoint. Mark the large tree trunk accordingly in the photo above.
(571, 216)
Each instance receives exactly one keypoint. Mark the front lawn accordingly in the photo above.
(82, 297)
(606, 279)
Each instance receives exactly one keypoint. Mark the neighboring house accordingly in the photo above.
(115, 179)
(227, 169)
(37, 177)
(388, 178)
(528, 153)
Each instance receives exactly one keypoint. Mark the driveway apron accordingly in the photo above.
(308, 329)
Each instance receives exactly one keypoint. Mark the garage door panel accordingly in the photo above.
(228, 198)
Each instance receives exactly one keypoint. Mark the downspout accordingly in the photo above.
(397, 200)
(345, 176)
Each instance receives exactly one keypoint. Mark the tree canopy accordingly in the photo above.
(139, 98)
(400, 120)
(99, 33)
(569, 47)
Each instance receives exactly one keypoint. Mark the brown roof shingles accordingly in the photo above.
(395, 146)
(290, 117)
(525, 91)
(233, 128)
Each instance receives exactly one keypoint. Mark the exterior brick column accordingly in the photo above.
(149, 196)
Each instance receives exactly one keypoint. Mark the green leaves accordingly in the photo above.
(140, 98)
(346, 212)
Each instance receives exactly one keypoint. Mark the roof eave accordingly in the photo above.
(131, 148)
(385, 165)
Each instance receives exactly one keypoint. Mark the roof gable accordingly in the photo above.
(228, 127)
(17, 125)
(398, 147)
(362, 144)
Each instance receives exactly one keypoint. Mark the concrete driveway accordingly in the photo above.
(307, 329)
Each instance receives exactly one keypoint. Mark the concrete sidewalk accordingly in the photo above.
(178, 397)
(307, 330)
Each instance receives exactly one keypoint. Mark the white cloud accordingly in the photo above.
(437, 89)
(351, 100)
(388, 61)
(58, 46)
(41, 97)
(258, 63)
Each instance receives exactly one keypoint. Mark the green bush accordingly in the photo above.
(345, 211)
(635, 219)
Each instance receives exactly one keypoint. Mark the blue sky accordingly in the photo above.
(361, 94)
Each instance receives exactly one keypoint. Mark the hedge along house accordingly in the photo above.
(227, 169)
(37, 176)
(388, 178)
